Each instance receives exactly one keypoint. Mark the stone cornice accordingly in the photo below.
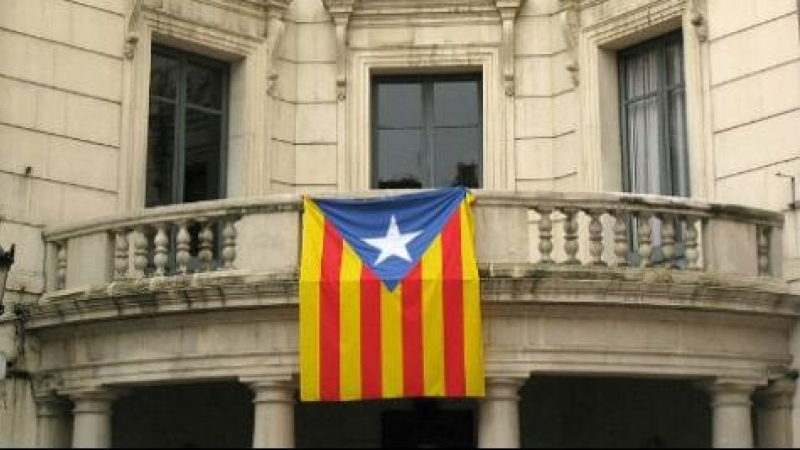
(506, 285)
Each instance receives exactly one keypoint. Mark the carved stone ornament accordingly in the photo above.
(132, 22)
(698, 18)
(508, 11)
(275, 10)
(45, 384)
(570, 21)
(340, 11)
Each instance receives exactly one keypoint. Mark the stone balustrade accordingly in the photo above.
(520, 228)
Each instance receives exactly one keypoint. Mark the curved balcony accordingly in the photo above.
(571, 283)
(245, 252)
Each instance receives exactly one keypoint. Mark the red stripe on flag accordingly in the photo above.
(329, 321)
(453, 293)
(371, 381)
(413, 366)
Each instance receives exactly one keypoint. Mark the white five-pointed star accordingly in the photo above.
(393, 244)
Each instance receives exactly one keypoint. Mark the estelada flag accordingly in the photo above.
(389, 298)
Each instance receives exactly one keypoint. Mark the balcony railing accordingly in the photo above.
(543, 229)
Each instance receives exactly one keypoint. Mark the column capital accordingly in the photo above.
(730, 391)
(94, 399)
(778, 394)
(272, 389)
(51, 406)
(503, 387)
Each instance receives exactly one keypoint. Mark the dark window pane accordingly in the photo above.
(163, 76)
(677, 141)
(674, 64)
(457, 157)
(186, 134)
(427, 131)
(202, 156)
(399, 105)
(456, 103)
(399, 159)
(204, 86)
(160, 153)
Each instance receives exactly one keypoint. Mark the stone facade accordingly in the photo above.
(74, 83)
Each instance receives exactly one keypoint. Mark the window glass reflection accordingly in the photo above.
(160, 152)
(202, 160)
(427, 131)
(456, 103)
(400, 159)
(186, 127)
(457, 157)
(399, 105)
(203, 86)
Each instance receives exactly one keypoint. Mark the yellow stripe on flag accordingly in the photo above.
(313, 232)
(392, 341)
(433, 319)
(473, 343)
(350, 330)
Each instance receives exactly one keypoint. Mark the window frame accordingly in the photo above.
(182, 105)
(426, 80)
(668, 184)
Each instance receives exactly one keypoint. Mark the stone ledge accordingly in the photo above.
(506, 284)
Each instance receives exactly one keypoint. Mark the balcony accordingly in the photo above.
(531, 247)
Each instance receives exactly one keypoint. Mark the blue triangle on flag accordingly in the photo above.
(390, 234)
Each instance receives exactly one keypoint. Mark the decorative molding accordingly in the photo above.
(340, 11)
(274, 37)
(698, 17)
(570, 21)
(508, 10)
(45, 384)
(132, 23)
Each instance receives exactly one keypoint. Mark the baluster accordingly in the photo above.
(206, 236)
(140, 250)
(570, 235)
(61, 265)
(161, 242)
(668, 239)
(645, 238)
(596, 237)
(545, 236)
(763, 250)
(183, 241)
(621, 238)
(229, 243)
(120, 254)
(691, 243)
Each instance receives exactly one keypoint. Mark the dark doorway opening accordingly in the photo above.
(591, 412)
(203, 415)
(427, 425)
(419, 423)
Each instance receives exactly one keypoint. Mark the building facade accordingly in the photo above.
(634, 164)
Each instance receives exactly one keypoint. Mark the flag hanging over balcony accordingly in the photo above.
(389, 298)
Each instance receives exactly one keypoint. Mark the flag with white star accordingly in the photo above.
(389, 298)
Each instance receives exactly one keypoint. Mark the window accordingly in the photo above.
(187, 127)
(653, 117)
(427, 131)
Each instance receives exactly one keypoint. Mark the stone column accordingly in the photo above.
(730, 405)
(92, 418)
(53, 427)
(274, 413)
(499, 413)
(774, 414)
